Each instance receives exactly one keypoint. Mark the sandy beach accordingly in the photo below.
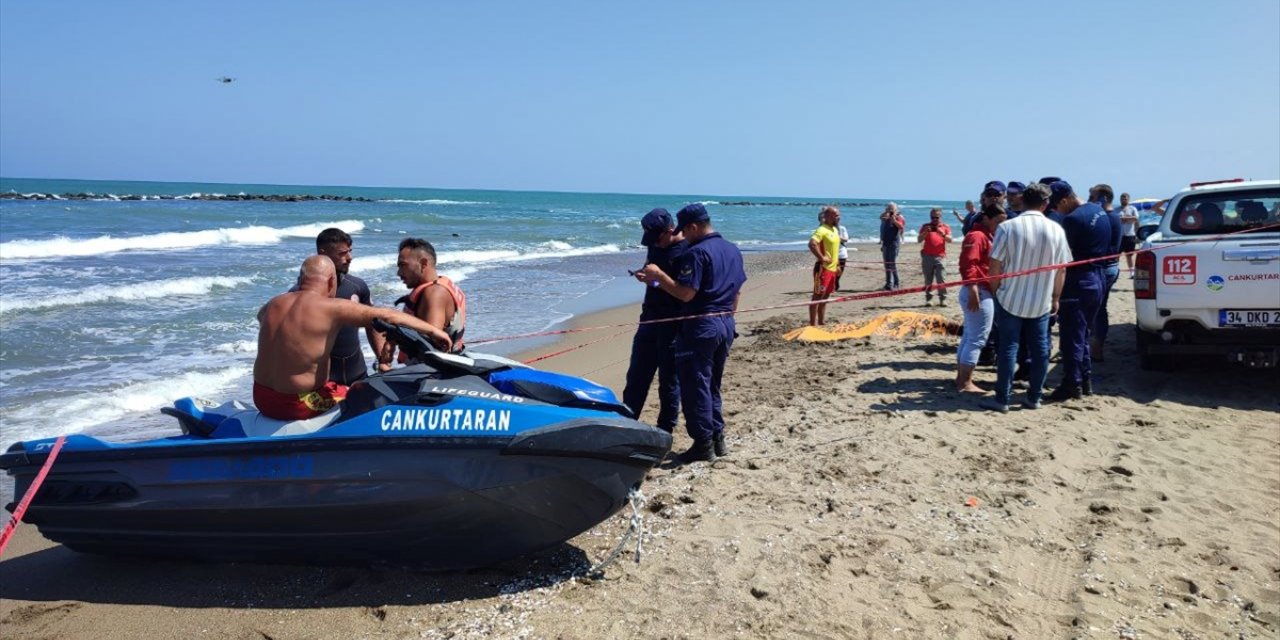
(863, 498)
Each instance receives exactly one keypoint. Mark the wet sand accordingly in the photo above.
(1149, 510)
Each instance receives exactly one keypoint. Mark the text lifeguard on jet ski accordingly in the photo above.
(474, 393)
(446, 420)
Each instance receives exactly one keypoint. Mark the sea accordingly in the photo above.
(111, 308)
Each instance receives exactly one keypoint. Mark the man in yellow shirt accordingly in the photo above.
(825, 245)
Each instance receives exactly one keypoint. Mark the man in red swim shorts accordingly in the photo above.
(296, 331)
(825, 246)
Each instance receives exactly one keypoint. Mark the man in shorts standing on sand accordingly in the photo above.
(1128, 230)
(295, 333)
(824, 244)
(708, 280)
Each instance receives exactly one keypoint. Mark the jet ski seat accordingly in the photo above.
(232, 419)
(558, 389)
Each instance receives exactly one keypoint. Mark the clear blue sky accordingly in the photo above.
(883, 99)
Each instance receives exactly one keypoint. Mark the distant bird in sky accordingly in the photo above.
(226, 80)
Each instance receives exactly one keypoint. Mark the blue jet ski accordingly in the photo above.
(456, 462)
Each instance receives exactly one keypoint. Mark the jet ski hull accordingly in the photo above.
(440, 502)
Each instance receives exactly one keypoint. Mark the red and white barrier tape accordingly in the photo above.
(21, 510)
(863, 296)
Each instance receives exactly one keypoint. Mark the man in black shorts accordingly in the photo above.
(346, 361)
(1128, 230)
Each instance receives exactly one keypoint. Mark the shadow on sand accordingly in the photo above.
(57, 574)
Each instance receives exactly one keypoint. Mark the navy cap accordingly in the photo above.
(993, 188)
(691, 213)
(1016, 187)
(1048, 180)
(1057, 191)
(654, 223)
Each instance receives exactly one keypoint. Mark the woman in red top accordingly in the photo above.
(975, 298)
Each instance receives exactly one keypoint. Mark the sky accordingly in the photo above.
(841, 99)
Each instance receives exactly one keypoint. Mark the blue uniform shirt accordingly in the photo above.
(1088, 230)
(659, 304)
(713, 268)
(1114, 248)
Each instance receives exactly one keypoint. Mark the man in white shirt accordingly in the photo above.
(1128, 230)
(1024, 303)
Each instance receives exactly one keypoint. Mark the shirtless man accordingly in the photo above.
(296, 332)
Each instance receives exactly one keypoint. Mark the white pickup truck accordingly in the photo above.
(1211, 283)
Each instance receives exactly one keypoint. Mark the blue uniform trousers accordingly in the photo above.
(653, 351)
(1103, 325)
(1078, 311)
(702, 347)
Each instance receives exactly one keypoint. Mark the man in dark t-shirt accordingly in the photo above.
(346, 360)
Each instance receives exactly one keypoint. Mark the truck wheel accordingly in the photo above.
(1149, 361)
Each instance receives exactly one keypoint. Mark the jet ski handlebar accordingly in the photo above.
(413, 344)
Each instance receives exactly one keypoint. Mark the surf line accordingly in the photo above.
(12, 525)
(862, 296)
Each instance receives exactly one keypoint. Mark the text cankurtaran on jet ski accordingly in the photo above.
(446, 420)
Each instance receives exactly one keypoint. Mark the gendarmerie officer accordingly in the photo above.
(1088, 230)
(652, 349)
(708, 280)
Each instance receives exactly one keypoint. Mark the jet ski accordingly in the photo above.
(455, 462)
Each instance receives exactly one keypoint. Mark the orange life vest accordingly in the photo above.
(457, 324)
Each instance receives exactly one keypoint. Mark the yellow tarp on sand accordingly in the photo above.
(896, 324)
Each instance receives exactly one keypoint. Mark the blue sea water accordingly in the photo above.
(111, 309)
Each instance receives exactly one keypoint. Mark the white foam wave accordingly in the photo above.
(239, 346)
(72, 414)
(432, 201)
(198, 286)
(62, 247)
(450, 261)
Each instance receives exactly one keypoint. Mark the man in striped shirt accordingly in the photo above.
(1025, 302)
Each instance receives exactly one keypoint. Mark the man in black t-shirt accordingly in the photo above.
(346, 360)
(652, 350)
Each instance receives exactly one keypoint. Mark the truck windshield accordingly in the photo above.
(1220, 213)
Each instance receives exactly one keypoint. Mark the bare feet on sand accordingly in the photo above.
(970, 388)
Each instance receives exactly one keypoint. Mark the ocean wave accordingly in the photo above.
(450, 261)
(239, 346)
(72, 413)
(63, 247)
(111, 293)
(432, 201)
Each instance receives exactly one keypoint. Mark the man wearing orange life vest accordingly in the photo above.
(433, 297)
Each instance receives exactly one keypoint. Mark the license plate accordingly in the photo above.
(1249, 318)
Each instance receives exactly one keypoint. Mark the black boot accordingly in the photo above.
(1086, 387)
(1065, 391)
(718, 445)
(701, 450)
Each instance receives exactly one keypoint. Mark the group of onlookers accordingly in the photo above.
(1065, 252)
(1043, 232)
